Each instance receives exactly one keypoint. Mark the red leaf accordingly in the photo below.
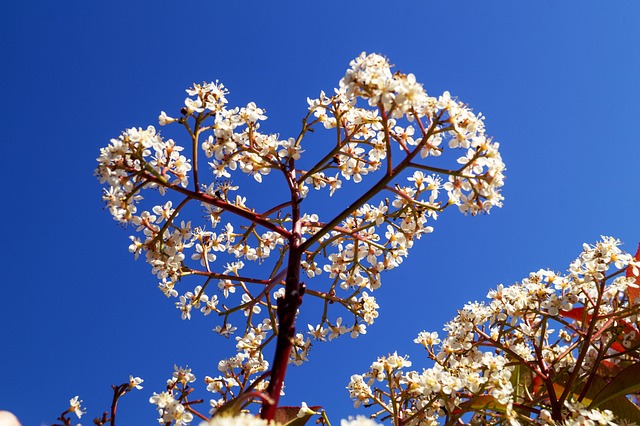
(537, 384)
(618, 346)
(634, 292)
(576, 314)
(608, 369)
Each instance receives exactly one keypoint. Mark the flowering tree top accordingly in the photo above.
(416, 155)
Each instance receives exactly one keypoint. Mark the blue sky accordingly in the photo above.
(557, 81)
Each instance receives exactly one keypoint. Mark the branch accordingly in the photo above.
(388, 177)
(205, 198)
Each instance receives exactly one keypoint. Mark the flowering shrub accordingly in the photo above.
(429, 153)
(555, 347)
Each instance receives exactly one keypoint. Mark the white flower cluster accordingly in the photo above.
(171, 410)
(237, 370)
(474, 187)
(576, 414)
(242, 419)
(518, 328)
(125, 162)
(245, 419)
(236, 142)
(579, 415)
(171, 404)
(358, 421)
(376, 237)
(395, 135)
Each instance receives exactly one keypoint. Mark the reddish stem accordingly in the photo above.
(205, 198)
(286, 310)
(118, 391)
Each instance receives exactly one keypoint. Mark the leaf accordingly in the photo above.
(619, 405)
(576, 314)
(230, 408)
(288, 416)
(626, 382)
(623, 408)
(539, 385)
(608, 369)
(632, 292)
(536, 385)
(520, 379)
(484, 402)
(627, 329)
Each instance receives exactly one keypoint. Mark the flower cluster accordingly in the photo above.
(242, 419)
(554, 341)
(125, 162)
(238, 370)
(431, 124)
(171, 410)
(75, 405)
(172, 404)
(384, 123)
(576, 414)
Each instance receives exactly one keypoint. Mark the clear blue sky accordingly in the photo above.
(557, 81)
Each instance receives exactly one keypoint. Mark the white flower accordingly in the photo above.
(164, 119)
(290, 149)
(8, 419)
(305, 410)
(358, 421)
(241, 420)
(74, 406)
(134, 382)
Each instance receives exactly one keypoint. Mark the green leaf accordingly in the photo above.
(521, 380)
(515, 380)
(484, 402)
(230, 408)
(626, 382)
(622, 408)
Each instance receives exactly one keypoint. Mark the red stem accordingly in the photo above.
(286, 310)
(118, 391)
(205, 198)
